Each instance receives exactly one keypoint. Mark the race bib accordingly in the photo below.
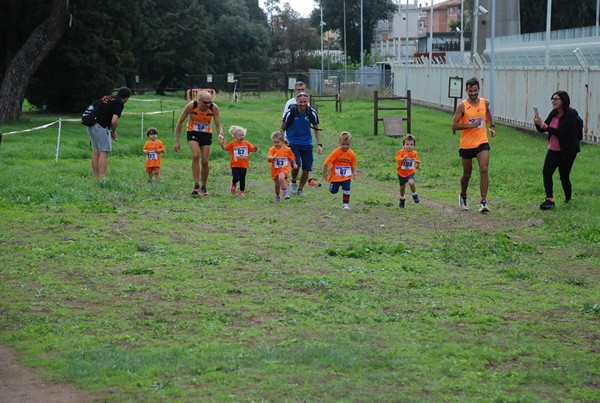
(281, 162)
(343, 172)
(408, 164)
(201, 127)
(152, 156)
(479, 122)
(240, 152)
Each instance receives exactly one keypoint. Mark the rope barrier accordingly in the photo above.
(60, 121)
(32, 129)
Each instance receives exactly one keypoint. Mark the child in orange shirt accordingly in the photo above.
(153, 149)
(239, 150)
(343, 168)
(280, 157)
(408, 162)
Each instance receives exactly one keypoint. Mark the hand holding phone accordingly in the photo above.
(535, 111)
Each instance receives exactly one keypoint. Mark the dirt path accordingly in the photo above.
(20, 384)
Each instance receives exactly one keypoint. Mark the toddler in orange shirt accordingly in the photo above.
(408, 162)
(153, 150)
(239, 150)
(281, 158)
(343, 168)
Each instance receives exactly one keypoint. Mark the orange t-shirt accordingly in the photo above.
(153, 158)
(342, 163)
(282, 162)
(239, 153)
(409, 166)
(473, 138)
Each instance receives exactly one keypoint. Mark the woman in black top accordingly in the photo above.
(563, 145)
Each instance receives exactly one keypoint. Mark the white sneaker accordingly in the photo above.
(462, 203)
(300, 192)
(483, 208)
(346, 206)
(293, 188)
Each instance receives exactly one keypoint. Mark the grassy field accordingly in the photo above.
(139, 292)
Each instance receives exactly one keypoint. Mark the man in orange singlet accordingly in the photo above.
(470, 117)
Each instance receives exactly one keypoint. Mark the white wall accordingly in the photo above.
(517, 90)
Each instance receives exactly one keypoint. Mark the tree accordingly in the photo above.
(565, 14)
(91, 59)
(21, 67)
(293, 38)
(172, 42)
(373, 11)
(239, 38)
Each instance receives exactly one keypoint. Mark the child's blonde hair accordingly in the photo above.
(279, 135)
(409, 137)
(152, 130)
(236, 129)
(345, 136)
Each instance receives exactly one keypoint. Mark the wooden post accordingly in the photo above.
(375, 109)
(408, 108)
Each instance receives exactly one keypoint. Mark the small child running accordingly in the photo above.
(280, 157)
(153, 149)
(408, 162)
(343, 168)
(239, 150)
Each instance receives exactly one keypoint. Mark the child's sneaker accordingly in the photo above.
(300, 192)
(293, 188)
(402, 202)
(196, 192)
(277, 199)
(313, 182)
(483, 208)
(286, 196)
(232, 189)
(462, 202)
(416, 198)
(242, 194)
(203, 192)
(346, 206)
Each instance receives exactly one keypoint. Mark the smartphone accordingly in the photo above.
(535, 111)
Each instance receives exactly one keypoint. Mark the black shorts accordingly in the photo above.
(470, 153)
(204, 139)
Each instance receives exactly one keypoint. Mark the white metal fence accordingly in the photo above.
(517, 90)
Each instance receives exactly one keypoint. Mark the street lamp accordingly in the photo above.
(406, 55)
(462, 29)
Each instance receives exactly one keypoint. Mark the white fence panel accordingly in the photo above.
(517, 90)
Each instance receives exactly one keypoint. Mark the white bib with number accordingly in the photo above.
(240, 152)
(408, 164)
(201, 127)
(152, 156)
(479, 122)
(281, 162)
(343, 171)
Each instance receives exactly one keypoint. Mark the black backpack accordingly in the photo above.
(90, 114)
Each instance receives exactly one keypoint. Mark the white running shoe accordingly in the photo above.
(462, 202)
(346, 206)
(483, 208)
(293, 188)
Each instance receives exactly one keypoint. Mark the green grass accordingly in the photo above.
(138, 292)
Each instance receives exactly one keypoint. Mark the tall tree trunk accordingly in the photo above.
(27, 60)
